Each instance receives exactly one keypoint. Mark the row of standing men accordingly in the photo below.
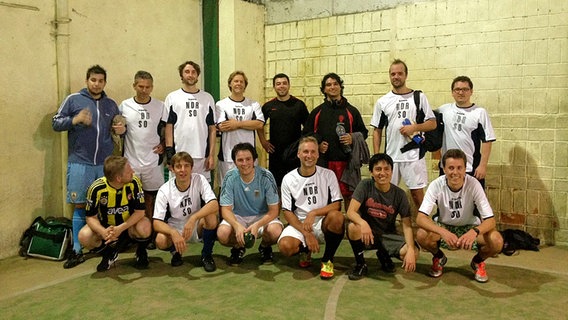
(192, 120)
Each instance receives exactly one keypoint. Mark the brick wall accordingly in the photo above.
(516, 53)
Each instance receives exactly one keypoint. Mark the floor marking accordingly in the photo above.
(331, 305)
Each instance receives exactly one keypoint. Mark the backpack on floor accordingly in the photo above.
(48, 238)
(514, 240)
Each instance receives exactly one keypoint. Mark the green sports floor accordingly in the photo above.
(530, 285)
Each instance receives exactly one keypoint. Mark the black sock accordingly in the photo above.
(332, 242)
(142, 244)
(208, 241)
(303, 248)
(478, 259)
(358, 250)
(439, 254)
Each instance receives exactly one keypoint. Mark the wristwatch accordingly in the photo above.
(476, 230)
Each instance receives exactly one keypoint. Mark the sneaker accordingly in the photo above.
(142, 261)
(109, 257)
(326, 271)
(358, 272)
(74, 260)
(386, 263)
(438, 266)
(208, 263)
(480, 273)
(265, 255)
(236, 257)
(176, 259)
(305, 259)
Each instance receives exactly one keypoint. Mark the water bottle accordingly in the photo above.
(417, 138)
(340, 130)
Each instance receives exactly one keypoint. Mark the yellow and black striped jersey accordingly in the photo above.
(113, 206)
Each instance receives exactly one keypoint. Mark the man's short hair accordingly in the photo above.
(96, 69)
(234, 74)
(142, 75)
(333, 76)
(454, 154)
(462, 79)
(244, 146)
(193, 64)
(280, 75)
(305, 139)
(181, 156)
(378, 157)
(398, 61)
(114, 166)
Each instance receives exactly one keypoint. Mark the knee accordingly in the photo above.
(286, 247)
(211, 222)
(162, 241)
(495, 242)
(223, 234)
(336, 222)
(353, 231)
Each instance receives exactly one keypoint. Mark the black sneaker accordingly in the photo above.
(208, 263)
(358, 272)
(176, 259)
(265, 255)
(109, 257)
(142, 261)
(236, 257)
(386, 262)
(73, 260)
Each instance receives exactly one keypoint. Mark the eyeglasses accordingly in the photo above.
(461, 90)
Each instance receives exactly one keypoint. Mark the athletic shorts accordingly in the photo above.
(338, 167)
(290, 231)
(413, 173)
(152, 178)
(392, 242)
(79, 178)
(224, 166)
(199, 167)
(248, 221)
(458, 231)
(194, 235)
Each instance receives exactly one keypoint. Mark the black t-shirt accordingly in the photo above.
(286, 121)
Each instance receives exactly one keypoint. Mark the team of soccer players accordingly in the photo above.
(131, 201)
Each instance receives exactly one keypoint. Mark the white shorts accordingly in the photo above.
(290, 231)
(247, 221)
(224, 166)
(152, 178)
(198, 167)
(413, 173)
(194, 235)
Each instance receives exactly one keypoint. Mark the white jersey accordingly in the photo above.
(465, 129)
(239, 110)
(142, 121)
(390, 111)
(457, 208)
(174, 206)
(191, 115)
(303, 194)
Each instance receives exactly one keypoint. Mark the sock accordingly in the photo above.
(439, 254)
(142, 244)
(478, 259)
(358, 250)
(208, 242)
(303, 248)
(332, 242)
(79, 222)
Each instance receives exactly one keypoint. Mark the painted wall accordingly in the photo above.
(516, 53)
(123, 37)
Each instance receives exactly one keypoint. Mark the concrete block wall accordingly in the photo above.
(516, 53)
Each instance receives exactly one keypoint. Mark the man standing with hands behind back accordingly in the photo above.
(87, 117)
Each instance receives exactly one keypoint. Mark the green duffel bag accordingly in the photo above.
(47, 238)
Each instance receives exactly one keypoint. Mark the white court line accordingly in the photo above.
(331, 305)
(45, 285)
